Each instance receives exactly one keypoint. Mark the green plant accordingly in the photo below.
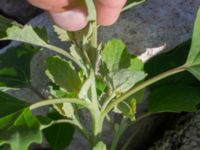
(90, 76)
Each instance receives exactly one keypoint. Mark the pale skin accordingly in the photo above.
(71, 15)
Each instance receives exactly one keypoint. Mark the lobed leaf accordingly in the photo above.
(30, 35)
(18, 127)
(10, 104)
(174, 98)
(64, 109)
(62, 34)
(112, 54)
(125, 79)
(100, 146)
(63, 74)
(11, 30)
(115, 56)
(156, 66)
(127, 108)
(85, 91)
(15, 66)
(60, 135)
(193, 61)
(87, 88)
(169, 98)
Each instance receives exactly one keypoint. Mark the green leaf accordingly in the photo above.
(115, 56)
(5, 147)
(62, 34)
(100, 146)
(18, 127)
(57, 92)
(76, 52)
(193, 61)
(125, 69)
(125, 79)
(35, 36)
(27, 34)
(45, 121)
(112, 53)
(5, 23)
(127, 108)
(60, 135)
(132, 3)
(63, 74)
(15, 66)
(156, 66)
(101, 86)
(136, 64)
(65, 109)
(9, 104)
(85, 92)
(174, 98)
(19, 130)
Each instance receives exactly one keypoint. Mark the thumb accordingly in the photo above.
(71, 20)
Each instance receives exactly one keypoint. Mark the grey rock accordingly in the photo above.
(154, 24)
(186, 136)
(18, 9)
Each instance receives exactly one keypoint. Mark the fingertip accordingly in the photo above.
(112, 3)
(70, 20)
(107, 16)
(53, 5)
(108, 11)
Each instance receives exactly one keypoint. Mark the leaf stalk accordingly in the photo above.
(59, 101)
(141, 86)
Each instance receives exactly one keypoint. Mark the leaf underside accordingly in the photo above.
(193, 61)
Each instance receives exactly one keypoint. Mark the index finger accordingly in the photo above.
(108, 11)
(52, 5)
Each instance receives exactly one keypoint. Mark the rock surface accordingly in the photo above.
(154, 25)
(18, 9)
(147, 29)
(186, 135)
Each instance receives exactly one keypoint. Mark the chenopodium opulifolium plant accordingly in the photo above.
(99, 78)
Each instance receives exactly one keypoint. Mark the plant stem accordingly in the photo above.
(107, 101)
(121, 128)
(132, 5)
(94, 111)
(94, 34)
(140, 87)
(58, 101)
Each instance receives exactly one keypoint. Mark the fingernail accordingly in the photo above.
(70, 20)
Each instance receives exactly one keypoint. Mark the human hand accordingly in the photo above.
(71, 15)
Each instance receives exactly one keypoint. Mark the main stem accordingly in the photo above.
(140, 87)
(95, 113)
(94, 34)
